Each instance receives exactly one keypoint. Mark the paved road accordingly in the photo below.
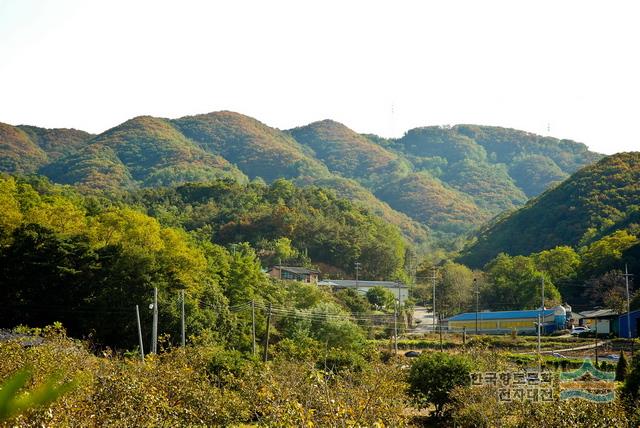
(426, 320)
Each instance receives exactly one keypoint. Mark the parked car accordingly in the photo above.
(412, 354)
(558, 355)
(614, 357)
(577, 330)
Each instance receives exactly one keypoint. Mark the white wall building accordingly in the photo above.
(399, 290)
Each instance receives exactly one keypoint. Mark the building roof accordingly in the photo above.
(599, 313)
(297, 269)
(351, 283)
(499, 315)
(633, 313)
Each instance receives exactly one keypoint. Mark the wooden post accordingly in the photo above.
(140, 334)
(266, 342)
(253, 325)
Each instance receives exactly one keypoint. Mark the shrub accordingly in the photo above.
(225, 363)
(621, 368)
(337, 361)
(434, 375)
(631, 387)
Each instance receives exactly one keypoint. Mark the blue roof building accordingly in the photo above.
(635, 324)
(507, 321)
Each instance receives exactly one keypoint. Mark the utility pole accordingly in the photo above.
(266, 343)
(475, 283)
(596, 342)
(440, 328)
(154, 327)
(433, 279)
(182, 330)
(540, 322)
(626, 277)
(395, 327)
(140, 334)
(539, 353)
(357, 265)
(253, 325)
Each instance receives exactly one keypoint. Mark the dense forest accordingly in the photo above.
(84, 260)
(580, 236)
(465, 173)
(595, 202)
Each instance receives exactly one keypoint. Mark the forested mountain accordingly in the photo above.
(593, 203)
(435, 183)
(146, 151)
(85, 260)
(26, 148)
(350, 154)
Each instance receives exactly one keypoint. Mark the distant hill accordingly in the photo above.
(434, 182)
(592, 203)
(144, 151)
(350, 154)
(26, 148)
(448, 178)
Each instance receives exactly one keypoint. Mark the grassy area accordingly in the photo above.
(507, 343)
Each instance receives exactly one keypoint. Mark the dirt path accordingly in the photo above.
(577, 348)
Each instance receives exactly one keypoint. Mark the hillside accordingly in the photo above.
(257, 149)
(144, 150)
(435, 183)
(428, 201)
(350, 154)
(448, 178)
(593, 202)
(25, 148)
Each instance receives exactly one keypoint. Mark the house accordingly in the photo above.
(500, 322)
(634, 324)
(604, 320)
(399, 290)
(295, 273)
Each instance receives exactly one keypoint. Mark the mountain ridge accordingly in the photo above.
(464, 174)
(595, 201)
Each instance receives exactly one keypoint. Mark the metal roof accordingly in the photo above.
(297, 269)
(351, 283)
(499, 315)
(599, 313)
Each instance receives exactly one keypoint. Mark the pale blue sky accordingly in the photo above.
(571, 65)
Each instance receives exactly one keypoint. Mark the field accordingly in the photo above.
(206, 385)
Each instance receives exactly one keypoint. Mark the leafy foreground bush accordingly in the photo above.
(480, 407)
(203, 386)
(433, 376)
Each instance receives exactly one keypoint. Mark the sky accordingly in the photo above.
(569, 69)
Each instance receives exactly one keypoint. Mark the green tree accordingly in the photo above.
(455, 288)
(631, 387)
(433, 376)
(608, 290)
(380, 297)
(515, 283)
(11, 216)
(621, 368)
(352, 300)
(606, 253)
(560, 263)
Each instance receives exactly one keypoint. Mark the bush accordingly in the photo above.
(621, 368)
(631, 387)
(225, 363)
(434, 375)
(337, 361)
